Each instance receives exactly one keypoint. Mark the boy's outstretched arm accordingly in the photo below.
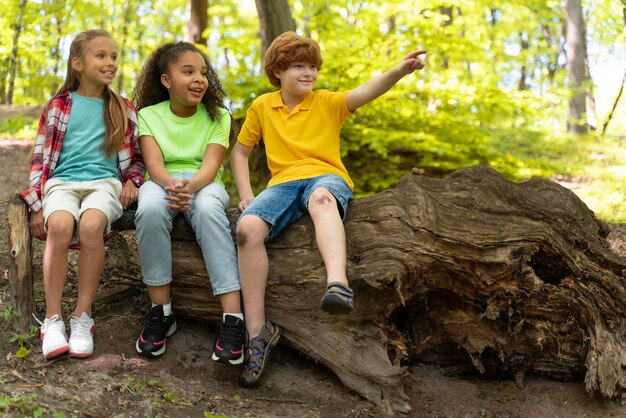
(241, 172)
(380, 84)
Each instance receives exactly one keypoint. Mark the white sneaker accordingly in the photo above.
(81, 336)
(53, 337)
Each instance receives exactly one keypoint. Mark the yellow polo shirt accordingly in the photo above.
(300, 144)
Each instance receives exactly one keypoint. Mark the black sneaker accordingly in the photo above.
(157, 327)
(230, 340)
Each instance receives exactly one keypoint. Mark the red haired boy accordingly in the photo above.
(300, 128)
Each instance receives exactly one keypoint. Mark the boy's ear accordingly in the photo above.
(165, 80)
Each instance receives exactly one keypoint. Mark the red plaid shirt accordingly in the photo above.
(50, 134)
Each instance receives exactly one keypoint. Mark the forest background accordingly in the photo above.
(528, 87)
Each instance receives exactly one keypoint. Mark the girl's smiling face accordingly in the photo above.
(97, 67)
(186, 82)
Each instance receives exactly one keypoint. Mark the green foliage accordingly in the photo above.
(9, 312)
(25, 406)
(25, 341)
(19, 127)
(468, 106)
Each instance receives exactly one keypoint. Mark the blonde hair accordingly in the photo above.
(114, 114)
(289, 48)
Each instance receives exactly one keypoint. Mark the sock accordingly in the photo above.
(238, 315)
(167, 308)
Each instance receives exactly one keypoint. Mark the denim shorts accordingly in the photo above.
(285, 203)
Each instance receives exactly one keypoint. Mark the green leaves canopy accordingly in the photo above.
(466, 107)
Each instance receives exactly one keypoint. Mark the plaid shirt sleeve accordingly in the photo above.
(130, 160)
(32, 195)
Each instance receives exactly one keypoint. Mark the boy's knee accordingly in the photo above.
(322, 198)
(251, 230)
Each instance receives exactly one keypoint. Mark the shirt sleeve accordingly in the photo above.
(32, 195)
(143, 127)
(251, 132)
(136, 169)
(221, 133)
(338, 104)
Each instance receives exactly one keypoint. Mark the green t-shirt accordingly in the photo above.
(183, 141)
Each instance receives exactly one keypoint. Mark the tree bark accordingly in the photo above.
(20, 262)
(14, 51)
(197, 21)
(575, 41)
(274, 19)
(471, 271)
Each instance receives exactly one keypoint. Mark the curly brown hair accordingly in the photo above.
(150, 91)
(289, 48)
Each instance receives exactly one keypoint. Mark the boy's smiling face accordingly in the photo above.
(298, 79)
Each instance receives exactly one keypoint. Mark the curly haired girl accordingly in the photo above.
(183, 131)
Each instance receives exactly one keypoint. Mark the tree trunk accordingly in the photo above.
(523, 85)
(446, 11)
(4, 75)
(615, 102)
(274, 19)
(471, 271)
(20, 262)
(128, 13)
(14, 51)
(621, 88)
(56, 54)
(575, 41)
(197, 21)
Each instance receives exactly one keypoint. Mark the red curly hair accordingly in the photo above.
(289, 48)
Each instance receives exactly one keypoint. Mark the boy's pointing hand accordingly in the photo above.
(413, 61)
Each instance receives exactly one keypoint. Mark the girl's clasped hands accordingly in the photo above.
(179, 197)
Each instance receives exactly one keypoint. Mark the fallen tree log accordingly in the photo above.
(471, 270)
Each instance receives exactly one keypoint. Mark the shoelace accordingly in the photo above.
(154, 324)
(81, 328)
(47, 321)
(230, 333)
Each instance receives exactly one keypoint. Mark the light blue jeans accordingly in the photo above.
(207, 218)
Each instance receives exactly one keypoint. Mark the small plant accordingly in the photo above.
(24, 405)
(170, 397)
(211, 415)
(25, 340)
(9, 312)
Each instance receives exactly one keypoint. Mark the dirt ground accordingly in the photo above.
(116, 382)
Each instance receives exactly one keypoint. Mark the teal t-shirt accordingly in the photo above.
(183, 141)
(81, 157)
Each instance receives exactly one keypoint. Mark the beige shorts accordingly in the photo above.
(76, 197)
